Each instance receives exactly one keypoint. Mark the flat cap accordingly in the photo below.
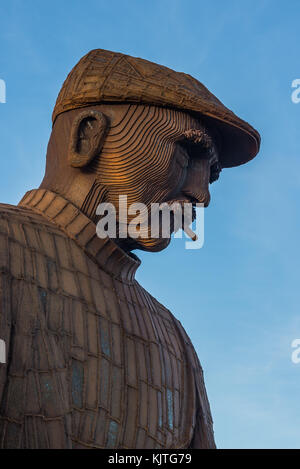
(103, 76)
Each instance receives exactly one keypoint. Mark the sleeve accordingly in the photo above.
(203, 435)
(5, 314)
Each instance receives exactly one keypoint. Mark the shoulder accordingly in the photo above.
(161, 310)
(22, 226)
(12, 216)
(166, 317)
(24, 235)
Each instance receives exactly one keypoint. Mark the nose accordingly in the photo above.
(196, 185)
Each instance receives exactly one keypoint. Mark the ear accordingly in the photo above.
(88, 133)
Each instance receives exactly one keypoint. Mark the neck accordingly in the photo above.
(85, 192)
(95, 196)
(77, 226)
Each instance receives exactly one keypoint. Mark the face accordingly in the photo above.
(155, 155)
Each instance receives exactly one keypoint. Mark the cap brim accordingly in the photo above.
(237, 145)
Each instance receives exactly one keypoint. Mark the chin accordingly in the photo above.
(151, 244)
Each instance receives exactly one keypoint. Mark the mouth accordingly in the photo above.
(195, 197)
(187, 198)
(182, 213)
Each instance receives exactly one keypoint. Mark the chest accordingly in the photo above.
(128, 372)
(104, 367)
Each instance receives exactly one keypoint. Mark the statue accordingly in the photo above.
(92, 359)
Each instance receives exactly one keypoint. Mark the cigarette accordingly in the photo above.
(190, 233)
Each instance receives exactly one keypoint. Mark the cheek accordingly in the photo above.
(144, 177)
(177, 173)
(163, 169)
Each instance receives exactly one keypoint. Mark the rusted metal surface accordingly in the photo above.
(103, 76)
(95, 360)
(91, 359)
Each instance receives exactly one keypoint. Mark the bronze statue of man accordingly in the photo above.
(92, 359)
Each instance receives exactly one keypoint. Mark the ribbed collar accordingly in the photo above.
(81, 229)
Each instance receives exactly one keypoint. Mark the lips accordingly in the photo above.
(196, 198)
(180, 215)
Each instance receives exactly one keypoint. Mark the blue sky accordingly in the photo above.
(238, 297)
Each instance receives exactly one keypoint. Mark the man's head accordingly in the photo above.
(148, 153)
(125, 126)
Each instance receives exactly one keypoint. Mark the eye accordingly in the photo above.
(215, 170)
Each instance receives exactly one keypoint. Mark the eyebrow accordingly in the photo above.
(200, 138)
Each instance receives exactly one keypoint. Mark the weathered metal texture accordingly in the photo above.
(103, 76)
(94, 360)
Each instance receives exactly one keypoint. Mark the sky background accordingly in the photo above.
(238, 297)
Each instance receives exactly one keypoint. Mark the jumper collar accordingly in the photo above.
(105, 252)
